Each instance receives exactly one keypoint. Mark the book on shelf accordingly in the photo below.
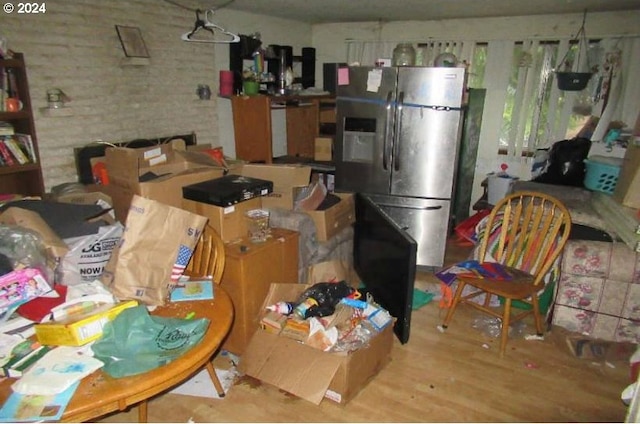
(6, 155)
(6, 128)
(36, 408)
(192, 290)
(15, 149)
(26, 144)
(12, 84)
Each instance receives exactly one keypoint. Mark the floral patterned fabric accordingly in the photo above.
(599, 291)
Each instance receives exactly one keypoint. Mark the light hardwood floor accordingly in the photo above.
(455, 376)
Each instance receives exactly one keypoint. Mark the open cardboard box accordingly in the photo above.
(287, 180)
(172, 166)
(229, 221)
(307, 372)
(331, 221)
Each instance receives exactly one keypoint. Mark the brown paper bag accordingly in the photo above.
(154, 250)
(331, 271)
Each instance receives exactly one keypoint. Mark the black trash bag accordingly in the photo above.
(326, 297)
(565, 165)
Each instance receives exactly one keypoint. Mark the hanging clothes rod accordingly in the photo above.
(208, 26)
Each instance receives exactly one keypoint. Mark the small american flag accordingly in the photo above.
(184, 254)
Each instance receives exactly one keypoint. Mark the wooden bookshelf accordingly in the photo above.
(25, 179)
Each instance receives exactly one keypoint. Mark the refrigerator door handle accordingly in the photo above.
(385, 153)
(424, 208)
(396, 141)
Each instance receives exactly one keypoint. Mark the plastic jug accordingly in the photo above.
(499, 185)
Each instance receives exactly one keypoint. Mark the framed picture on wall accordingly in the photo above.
(132, 42)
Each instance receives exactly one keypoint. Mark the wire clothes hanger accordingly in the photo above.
(206, 25)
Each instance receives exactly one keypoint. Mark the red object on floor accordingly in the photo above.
(466, 230)
(446, 301)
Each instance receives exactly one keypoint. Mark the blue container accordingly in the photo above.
(602, 173)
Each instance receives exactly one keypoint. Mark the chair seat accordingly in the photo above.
(520, 287)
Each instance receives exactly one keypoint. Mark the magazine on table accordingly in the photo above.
(25, 408)
(192, 290)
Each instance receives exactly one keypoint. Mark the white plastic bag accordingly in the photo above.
(88, 255)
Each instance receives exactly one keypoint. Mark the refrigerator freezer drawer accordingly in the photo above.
(426, 220)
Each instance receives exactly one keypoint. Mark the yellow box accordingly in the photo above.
(80, 329)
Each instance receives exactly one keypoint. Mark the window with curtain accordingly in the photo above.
(537, 113)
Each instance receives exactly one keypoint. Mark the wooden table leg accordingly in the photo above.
(215, 380)
(142, 412)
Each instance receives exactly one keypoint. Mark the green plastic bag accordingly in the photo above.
(136, 342)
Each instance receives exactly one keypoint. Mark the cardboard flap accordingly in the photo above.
(129, 163)
(282, 176)
(300, 370)
(89, 198)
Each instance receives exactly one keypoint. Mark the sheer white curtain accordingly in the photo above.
(537, 113)
(366, 53)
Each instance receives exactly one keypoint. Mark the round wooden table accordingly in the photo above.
(99, 394)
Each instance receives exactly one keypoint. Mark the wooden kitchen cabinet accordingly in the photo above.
(249, 271)
(253, 128)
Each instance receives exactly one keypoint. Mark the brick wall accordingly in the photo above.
(74, 46)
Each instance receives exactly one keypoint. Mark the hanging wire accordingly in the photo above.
(194, 10)
(581, 38)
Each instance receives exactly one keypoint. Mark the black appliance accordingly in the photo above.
(384, 257)
(330, 76)
(228, 190)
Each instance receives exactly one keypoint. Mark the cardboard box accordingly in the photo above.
(287, 181)
(171, 166)
(331, 221)
(627, 190)
(120, 198)
(228, 221)
(82, 328)
(323, 149)
(311, 373)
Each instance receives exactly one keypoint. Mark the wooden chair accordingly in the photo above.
(525, 231)
(208, 260)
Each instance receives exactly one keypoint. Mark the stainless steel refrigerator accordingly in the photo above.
(397, 139)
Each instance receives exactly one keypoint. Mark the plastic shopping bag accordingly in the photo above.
(136, 342)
